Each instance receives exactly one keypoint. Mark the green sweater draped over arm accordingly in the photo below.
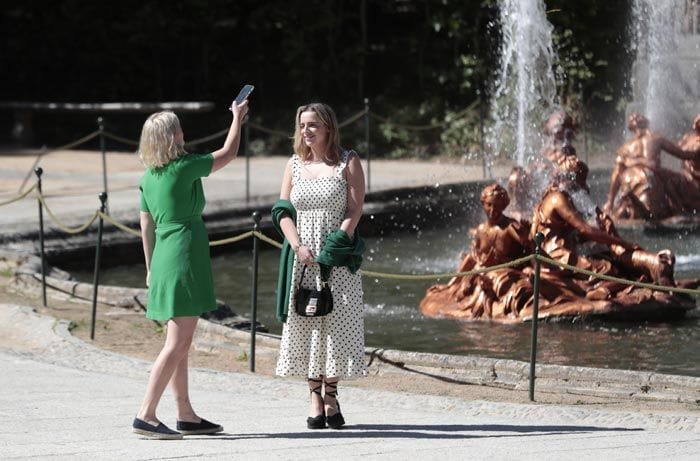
(280, 209)
(340, 250)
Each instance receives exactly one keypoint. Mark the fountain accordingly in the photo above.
(506, 294)
(553, 185)
(666, 88)
(525, 86)
(665, 84)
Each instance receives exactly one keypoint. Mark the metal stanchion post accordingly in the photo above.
(98, 252)
(101, 125)
(254, 291)
(39, 171)
(247, 162)
(539, 238)
(369, 174)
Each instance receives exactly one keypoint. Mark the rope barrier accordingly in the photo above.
(281, 134)
(616, 279)
(70, 145)
(261, 128)
(515, 262)
(267, 239)
(62, 226)
(425, 127)
(231, 239)
(19, 197)
(120, 139)
(352, 119)
(367, 273)
(218, 134)
(407, 127)
(119, 225)
(75, 143)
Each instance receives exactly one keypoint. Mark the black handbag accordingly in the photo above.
(311, 302)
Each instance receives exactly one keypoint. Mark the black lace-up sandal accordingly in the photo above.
(316, 422)
(335, 421)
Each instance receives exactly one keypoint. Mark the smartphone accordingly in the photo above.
(244, 93)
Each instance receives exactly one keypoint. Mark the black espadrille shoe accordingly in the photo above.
(159, 432)
(201, 428)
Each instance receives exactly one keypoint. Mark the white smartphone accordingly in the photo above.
(244, 93)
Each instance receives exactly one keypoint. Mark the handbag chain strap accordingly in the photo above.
(303, 271)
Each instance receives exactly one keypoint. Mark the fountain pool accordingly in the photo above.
(393, 320)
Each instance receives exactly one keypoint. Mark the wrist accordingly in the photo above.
(296, 247)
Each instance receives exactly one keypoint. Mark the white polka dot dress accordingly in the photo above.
(332, 345)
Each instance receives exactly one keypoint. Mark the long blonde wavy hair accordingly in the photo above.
(327, 117)
(159, 144)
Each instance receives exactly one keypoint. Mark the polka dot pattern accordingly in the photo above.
(332, 345)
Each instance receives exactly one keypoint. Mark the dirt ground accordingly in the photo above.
(128, 332)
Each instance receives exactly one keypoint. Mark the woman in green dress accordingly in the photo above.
(176, 248)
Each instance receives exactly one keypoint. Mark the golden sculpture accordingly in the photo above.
(646, 190)
(562, 216)
(526, 185)
(691, 167)
(500, 294)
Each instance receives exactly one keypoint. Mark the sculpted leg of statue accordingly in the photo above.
(655, 267)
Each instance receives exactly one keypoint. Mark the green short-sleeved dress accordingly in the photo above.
(181, 278)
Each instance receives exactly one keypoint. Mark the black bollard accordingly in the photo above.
(254, 291)
(98, 252)
(39, 171)
(539, 238)
(101, 126)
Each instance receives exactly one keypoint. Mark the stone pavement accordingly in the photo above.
(65, 399)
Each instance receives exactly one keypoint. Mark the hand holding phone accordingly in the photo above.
(244, 93)
(242, 96)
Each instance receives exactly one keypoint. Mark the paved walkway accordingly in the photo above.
(64, 399)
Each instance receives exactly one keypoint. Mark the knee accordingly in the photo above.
(178, 349)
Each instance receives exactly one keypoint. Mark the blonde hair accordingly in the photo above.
(159, 144)
(327, 117)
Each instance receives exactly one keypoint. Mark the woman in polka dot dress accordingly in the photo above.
(326, 185)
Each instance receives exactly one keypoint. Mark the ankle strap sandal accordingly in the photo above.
(316, 422)
(335, 421)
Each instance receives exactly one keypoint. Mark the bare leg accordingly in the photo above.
(329, 399)
(316, 405)
(334, 417)
(179, 385)
(317, 418)
(177, 345)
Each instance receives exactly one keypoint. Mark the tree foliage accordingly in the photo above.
(417, 61)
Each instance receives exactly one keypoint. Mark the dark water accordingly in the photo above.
(393, 320)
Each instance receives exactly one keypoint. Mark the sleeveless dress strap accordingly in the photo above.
(296, 168)
(345, 156)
